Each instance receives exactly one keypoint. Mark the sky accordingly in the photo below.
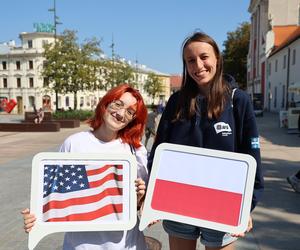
(149, 32)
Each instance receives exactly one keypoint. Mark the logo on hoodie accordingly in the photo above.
(224, 128)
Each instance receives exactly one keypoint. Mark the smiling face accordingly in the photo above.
(201, 62)
(120, 113)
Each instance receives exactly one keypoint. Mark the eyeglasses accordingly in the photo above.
(117, 105)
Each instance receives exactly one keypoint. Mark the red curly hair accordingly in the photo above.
(133, 132)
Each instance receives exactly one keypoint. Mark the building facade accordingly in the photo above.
(272, 24)
(283, 71)
(21, 79)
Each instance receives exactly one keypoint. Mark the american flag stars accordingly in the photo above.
(64, 178)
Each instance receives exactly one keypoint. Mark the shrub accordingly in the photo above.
(82, 115)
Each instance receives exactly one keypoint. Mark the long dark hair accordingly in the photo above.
(218, 89)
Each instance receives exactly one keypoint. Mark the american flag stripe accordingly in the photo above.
(53, 204)
(80, 209)
(109, 218)
(87, 216)
(102, 169)
(111, 176)
(83, 193)
(98, 176)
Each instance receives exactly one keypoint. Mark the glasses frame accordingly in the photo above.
(117, 105)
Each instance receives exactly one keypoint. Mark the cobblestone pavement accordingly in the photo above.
(276, 219)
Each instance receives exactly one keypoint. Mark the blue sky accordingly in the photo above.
(150, 31)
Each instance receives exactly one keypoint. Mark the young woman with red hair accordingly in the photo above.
(117, 126)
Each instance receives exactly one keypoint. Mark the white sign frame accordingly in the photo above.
(41, 229)
(150, 214)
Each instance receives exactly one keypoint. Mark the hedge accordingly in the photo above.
(82, 115)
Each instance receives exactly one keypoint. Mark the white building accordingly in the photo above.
(20, 77)
(272, 24)
(283, 69)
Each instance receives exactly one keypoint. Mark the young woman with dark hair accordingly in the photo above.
(207, 113)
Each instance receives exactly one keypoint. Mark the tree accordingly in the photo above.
(71, 67)
(235, 53)
(153, 86)
(116, 72)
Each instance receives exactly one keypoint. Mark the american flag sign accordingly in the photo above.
(82, 192)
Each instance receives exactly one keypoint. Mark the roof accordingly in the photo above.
(145, 69)
(175, 81)
(28, 35)
(284, 35)
(4, 49)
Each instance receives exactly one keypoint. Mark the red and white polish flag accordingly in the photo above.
(200, 187)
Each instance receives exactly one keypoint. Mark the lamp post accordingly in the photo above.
(112, 46)
(55, 19)
(55, 23)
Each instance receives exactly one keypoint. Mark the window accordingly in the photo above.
(31, 100)
(276, 65)
(294, 57)
(44, 42)
(283, 96)
(18, 65)
(275, 97)
(18, 82)
(4, 82)
(30, 82)
(30, 64)
(29, 44)
(81, 101)
(284, 61)
(269, 69)
(4, 66)
(67, 101)
(87, 101)
(46, 82)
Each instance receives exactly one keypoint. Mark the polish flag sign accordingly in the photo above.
(202, 187)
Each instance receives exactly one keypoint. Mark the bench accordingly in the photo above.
(64, 123)
(30, 116)
(29, 127)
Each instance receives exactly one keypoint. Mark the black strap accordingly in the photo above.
(132, 149)
(236, 123)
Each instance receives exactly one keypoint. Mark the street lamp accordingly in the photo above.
(55, 18)
(56, 22)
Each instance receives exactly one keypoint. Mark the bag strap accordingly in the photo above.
(232, 96)
(132, 149)
(235, 120)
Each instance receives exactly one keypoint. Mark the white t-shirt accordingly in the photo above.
(86, 142)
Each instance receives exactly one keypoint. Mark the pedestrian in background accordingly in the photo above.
(151, 125)
(39, 116)
(117, 126)
(191, 117)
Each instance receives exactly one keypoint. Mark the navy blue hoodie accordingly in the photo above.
(235, 131)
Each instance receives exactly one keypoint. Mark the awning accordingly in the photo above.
(295, 88)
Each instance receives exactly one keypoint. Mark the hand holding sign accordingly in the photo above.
(202, 187)
(81, 192)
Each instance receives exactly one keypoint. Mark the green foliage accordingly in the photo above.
(82, 115)
(70, 67)
(153, 86)
(117, 72)
(235, 53)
